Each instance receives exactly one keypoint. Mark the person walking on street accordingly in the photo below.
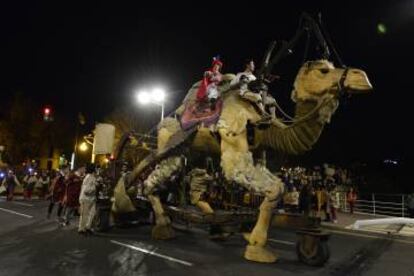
(73, 185)
(87, 200)
(30, 181)
(44, 182)
(57, 192)
(10, 182)
(351, 198)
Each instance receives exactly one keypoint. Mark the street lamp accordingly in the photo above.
(83, 146)
(156, 96)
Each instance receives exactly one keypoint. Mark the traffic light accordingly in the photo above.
(47, 114)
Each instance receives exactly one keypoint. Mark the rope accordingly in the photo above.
(283, 112)
(305, 55)
(310, 113)
(329, 40)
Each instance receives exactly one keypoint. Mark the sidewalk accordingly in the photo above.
(347, 220)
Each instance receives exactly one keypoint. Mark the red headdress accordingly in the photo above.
(202, 90)
(216, 60)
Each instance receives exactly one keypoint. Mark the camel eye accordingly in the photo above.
(324, 70)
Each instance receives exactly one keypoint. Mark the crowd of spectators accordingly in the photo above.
(316, 191)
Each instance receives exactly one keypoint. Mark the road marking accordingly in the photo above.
(370, 236)
(149, 252)
(16, 213)
(282, 242)
(23, 204)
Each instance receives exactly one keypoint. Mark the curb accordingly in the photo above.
(367, 232)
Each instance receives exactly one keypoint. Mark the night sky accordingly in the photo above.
(92, 57)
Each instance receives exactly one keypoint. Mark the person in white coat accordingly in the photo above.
(243, 78)
(87, 200)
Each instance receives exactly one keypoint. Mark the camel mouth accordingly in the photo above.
(358, 83)
(359, 88)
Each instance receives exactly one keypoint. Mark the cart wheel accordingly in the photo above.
(312, 250)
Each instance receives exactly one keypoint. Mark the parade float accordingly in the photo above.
(209, 167)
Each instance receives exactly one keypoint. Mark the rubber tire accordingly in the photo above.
(319, 259)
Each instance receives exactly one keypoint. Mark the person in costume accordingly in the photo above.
(262, 100)
(73, 183)
(87, 199)
(43, 184)
(10, 182)
(243, 78)
(208, 90)
(30, 180)
(57, 192)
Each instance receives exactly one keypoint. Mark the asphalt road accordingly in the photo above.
(32, 245)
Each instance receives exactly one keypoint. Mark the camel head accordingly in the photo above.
(320, 77)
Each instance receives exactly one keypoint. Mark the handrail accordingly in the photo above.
(377, 201)
(395, 208)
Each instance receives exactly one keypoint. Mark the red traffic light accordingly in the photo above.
(47, 114)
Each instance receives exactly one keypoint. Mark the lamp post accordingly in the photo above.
(75, 149)
(155, 96)
(80, 122)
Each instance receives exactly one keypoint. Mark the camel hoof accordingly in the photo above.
(163, 232)
(259, 254)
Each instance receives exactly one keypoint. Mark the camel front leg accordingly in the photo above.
(239, 167)
(256, 249)
(162, 173)
(262, 181)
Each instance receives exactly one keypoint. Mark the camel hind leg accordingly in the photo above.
(199, 181)
(162, 173)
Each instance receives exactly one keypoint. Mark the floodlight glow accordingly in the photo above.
(143, 97)
(158, 95)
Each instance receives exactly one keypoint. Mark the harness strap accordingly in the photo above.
(341, 83)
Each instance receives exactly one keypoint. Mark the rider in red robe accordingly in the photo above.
(208, 88)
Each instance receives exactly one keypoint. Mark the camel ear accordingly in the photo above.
(309, 67)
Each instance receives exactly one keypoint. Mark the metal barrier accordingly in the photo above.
(393, 205)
